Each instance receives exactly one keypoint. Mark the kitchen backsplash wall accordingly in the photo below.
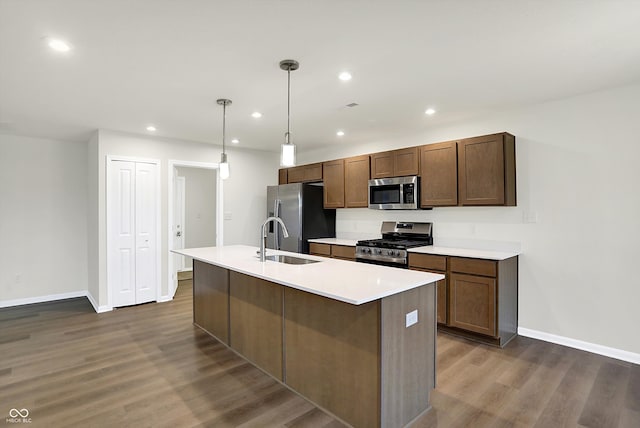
(489, 230)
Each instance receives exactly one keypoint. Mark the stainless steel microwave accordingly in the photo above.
(398, 193)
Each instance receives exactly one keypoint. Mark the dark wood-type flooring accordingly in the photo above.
(148, 366)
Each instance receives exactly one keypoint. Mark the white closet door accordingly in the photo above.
(121, 214)
(145, 236)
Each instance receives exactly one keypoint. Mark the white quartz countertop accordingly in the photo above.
(432, 249)
(464, 252)
(335, 241)
(342, 280)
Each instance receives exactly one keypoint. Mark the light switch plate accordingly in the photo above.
(411, 318)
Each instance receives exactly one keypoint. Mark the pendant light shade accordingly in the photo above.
(288, 149)
(224, 165)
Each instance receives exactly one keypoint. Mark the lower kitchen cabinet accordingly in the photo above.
(472, 303)
(210, 299)
(343, 252)
(478, 299)
(434, 264)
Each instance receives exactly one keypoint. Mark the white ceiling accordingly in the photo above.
(137, 62)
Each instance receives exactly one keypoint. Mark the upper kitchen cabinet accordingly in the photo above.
(439, 175)
(305, 173)
(396, 163)
(356, 181)
(487, 170)
(283, 176)
(334, 184)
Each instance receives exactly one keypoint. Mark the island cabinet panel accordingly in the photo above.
(356, 181)
(333, 189)
(211, 299)
(439, 175)
(255, 314)
(408, 363)
(332, 355)
(487, 170)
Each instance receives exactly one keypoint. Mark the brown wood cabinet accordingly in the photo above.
(305, 173)
(487, 170)
(334, 183)
(356, 181)
(343, 252)
(434, 264)
(395, 163)
(483, 298)
(439, 175)
(210, 299)
(283, 176)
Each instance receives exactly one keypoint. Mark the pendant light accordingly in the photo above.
(288, 152)
(224, 165)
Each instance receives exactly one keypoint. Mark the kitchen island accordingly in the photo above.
(355, 339)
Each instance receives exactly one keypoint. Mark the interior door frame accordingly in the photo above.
(156, 162)
(180, 184)
(172, 282)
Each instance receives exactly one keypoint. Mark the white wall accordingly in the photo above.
(93, 245)
(244, 192)
(43, 217)
(577, 219)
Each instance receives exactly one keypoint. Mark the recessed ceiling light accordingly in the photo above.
(235, 141)
(429, 111)
(59, 45)
(340, 133)
(151, 128)
(256, 114)
(345, 75)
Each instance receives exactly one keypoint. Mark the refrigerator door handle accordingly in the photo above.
(276, 212)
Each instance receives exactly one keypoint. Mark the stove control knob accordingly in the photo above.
(392, 253)
(379, 251)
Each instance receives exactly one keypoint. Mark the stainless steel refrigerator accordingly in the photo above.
(300, 206)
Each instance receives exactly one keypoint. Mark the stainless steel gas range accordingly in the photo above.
(397, 237)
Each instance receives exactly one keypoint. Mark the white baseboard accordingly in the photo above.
(98, 309)
(618, 354)
(164, 299)
(54, 297)
(41, 299)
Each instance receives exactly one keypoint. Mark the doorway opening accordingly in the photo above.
(194, 212)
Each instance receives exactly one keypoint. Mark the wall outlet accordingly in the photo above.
(411, 318)
(227, 215)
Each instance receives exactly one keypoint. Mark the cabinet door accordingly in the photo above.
(481, 170)
(439, 175)
(356, 182)
(406, 162)
(472, 303)
(333, 173)
(313, 172)
(343, 252)
(382, 165)
(296, 174)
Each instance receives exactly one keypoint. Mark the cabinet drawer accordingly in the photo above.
(473, 266)
(428, 261)
(319, 249)
(343, 252)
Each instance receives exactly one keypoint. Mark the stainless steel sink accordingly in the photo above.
(280, 258)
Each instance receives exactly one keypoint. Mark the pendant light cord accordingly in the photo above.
(224, 121)
(288, 104)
